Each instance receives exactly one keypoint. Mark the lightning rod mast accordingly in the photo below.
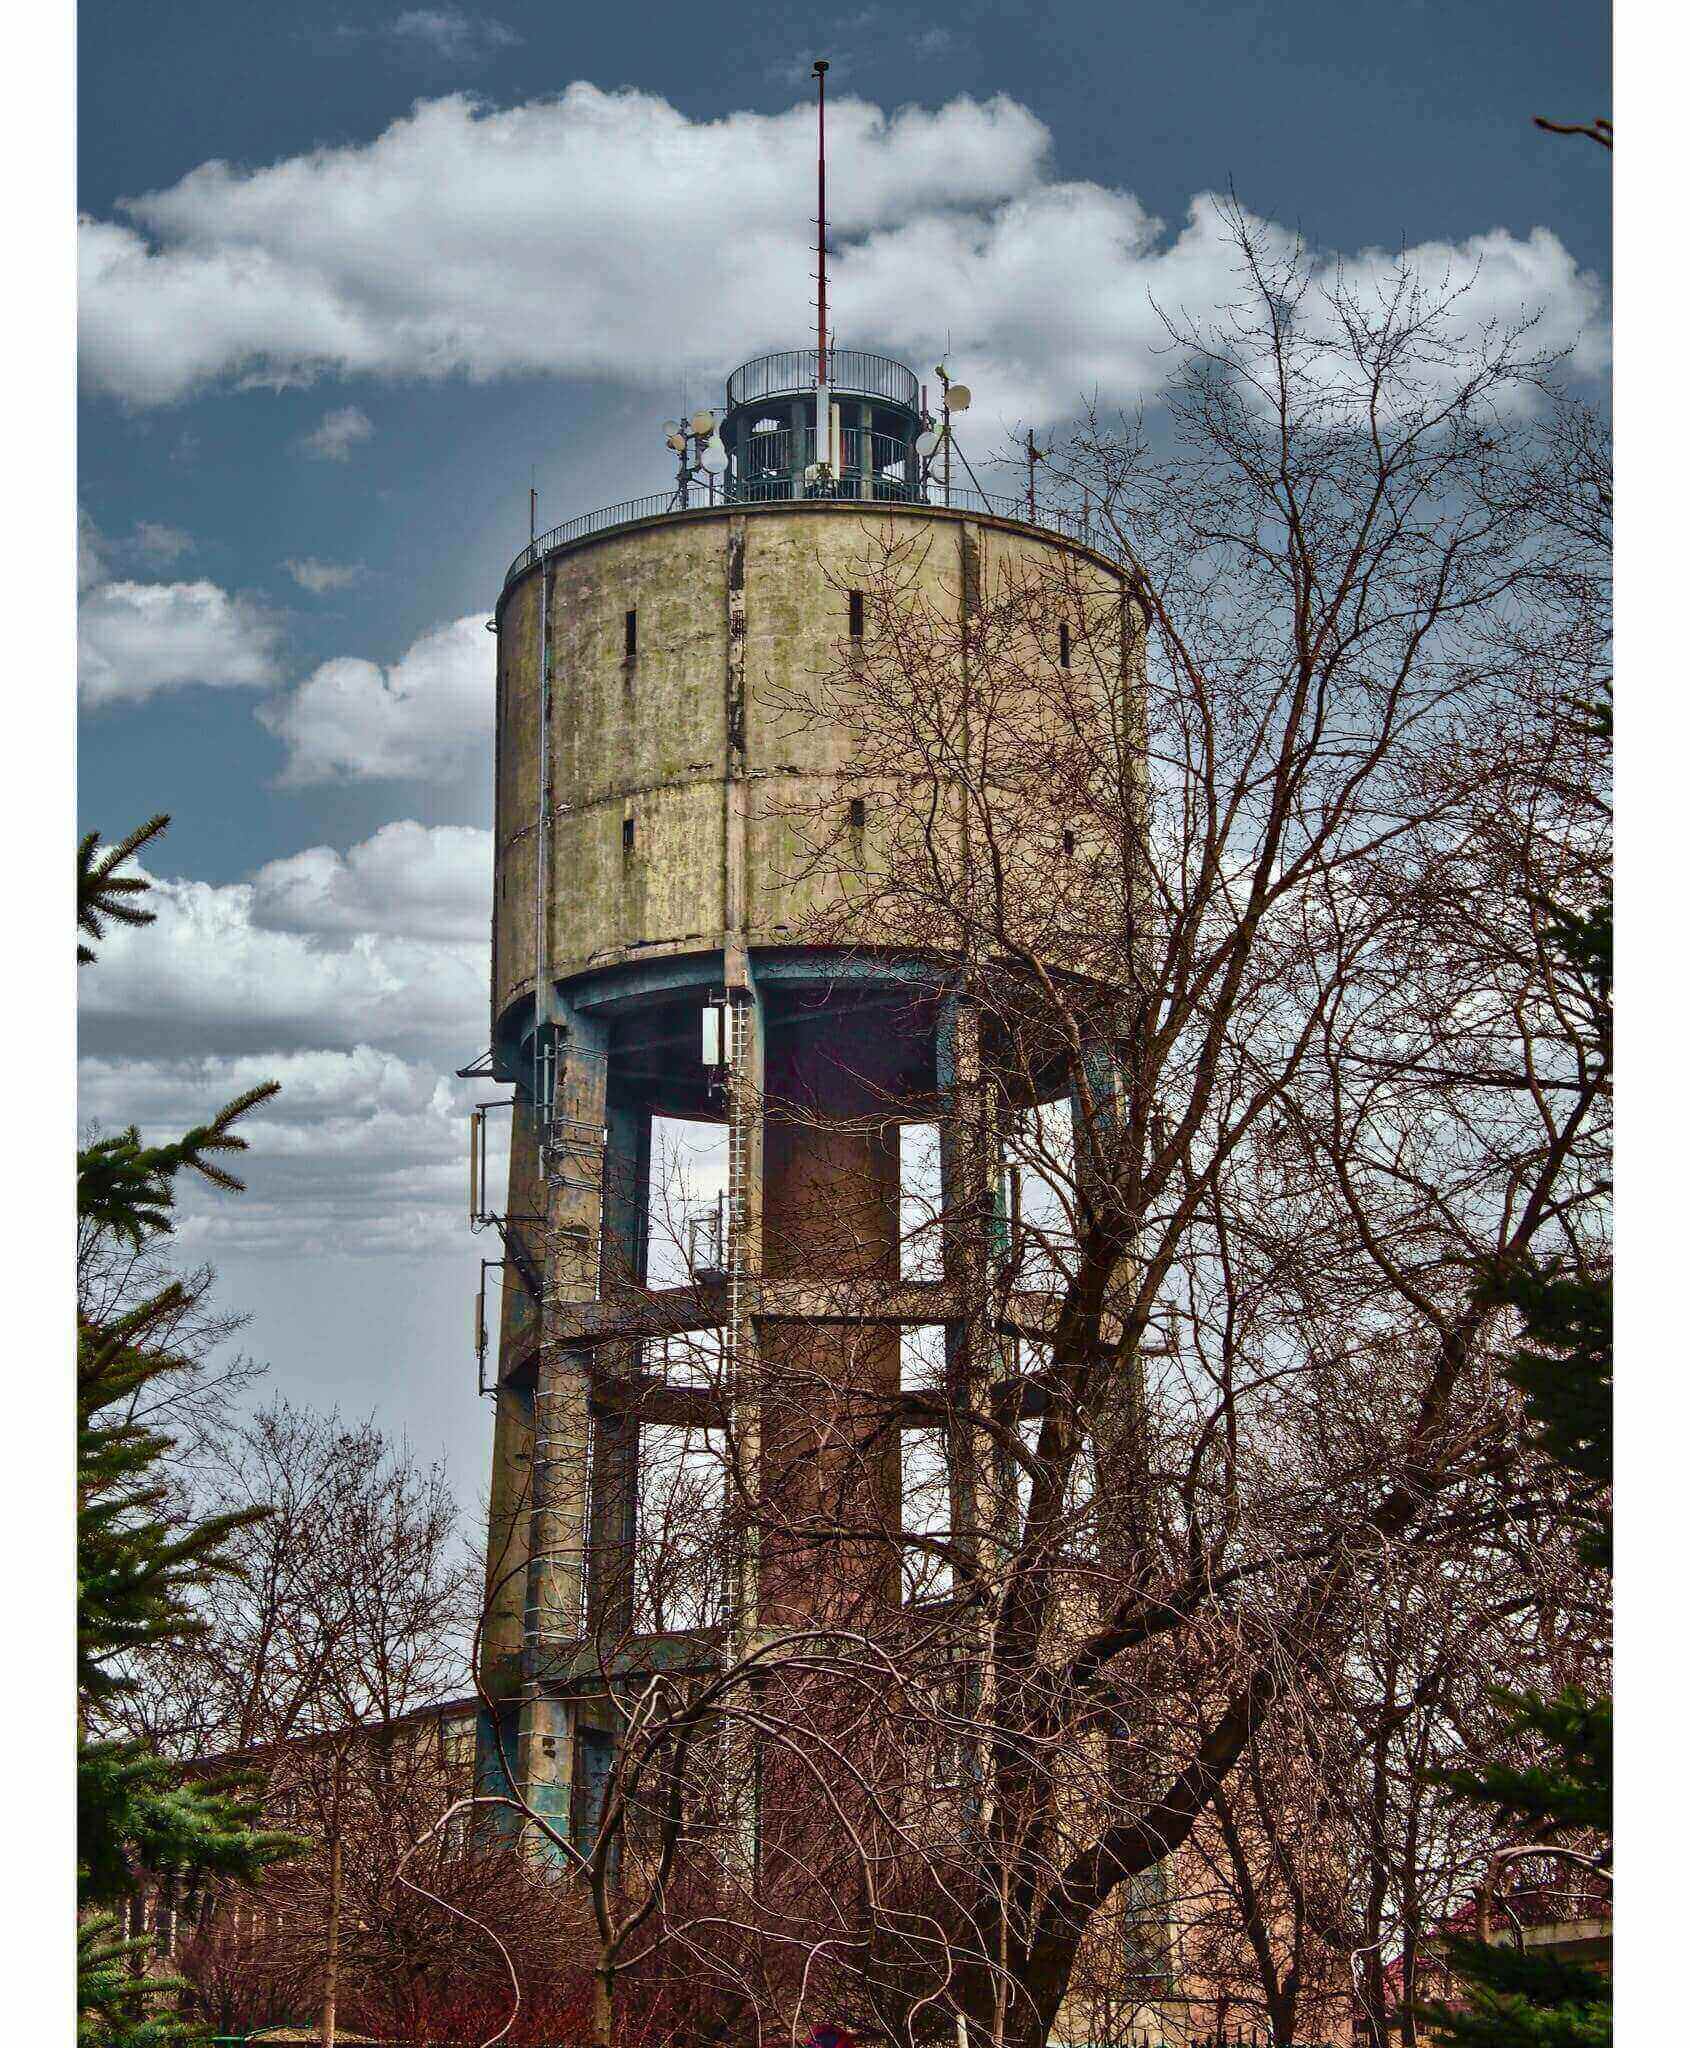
(824, 414)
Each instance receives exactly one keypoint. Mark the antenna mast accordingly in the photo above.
(824, 411)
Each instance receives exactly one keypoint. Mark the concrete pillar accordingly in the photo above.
(1100, 1114)
(613, 1515)
(545, 1763)
(511, 1507)
(562, 1425)
(513, 1424)
(747, 1190)
(742, 1365)
(830, 1217)
(970, 1182)
(627, 1187)
(865, 449)
(497, 1773)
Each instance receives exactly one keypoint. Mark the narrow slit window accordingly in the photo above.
(631, 636)
(859, 814)
(1061, 641)
(627, 835)
(856, 615)
(1068, 844)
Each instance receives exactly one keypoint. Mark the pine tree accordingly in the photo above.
(115, 2002)
(102, 892)
(1514, 1998)
(138, 1566)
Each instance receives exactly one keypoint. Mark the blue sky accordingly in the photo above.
(350, 273)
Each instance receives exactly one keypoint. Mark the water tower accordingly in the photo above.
(652, 957)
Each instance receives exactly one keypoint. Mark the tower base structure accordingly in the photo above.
(779, 1354)
(665, 763)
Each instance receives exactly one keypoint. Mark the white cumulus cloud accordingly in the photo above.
(357, 979)
(208, 977)
(135, 639)
(419, 881)
(427, 716)
(556, 237)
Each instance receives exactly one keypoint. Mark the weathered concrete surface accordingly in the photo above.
(645, 742)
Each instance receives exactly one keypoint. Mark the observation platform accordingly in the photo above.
(851, 373)
(769, 433)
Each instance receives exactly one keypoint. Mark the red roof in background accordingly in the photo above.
(1584, 1895)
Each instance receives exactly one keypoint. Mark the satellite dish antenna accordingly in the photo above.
(677, 441)
(671, 426)
(714, 460)
(927, 443)
(959, 398)
(703, 423)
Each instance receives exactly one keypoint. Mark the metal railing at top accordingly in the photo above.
(853, 370)
(1074, 526)
(779, 451)
(595, 522)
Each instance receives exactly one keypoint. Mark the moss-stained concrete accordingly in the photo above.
(640, 746)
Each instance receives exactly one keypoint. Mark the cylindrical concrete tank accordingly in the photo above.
(674, 642)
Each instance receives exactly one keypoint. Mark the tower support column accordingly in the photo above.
(970, 1171)
(1100, 1108)
(573, 1149)
(616, 1431)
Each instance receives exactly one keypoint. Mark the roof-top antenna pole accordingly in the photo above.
(824, 408)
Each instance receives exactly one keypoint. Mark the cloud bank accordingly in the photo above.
(362, 1154)
(407, 881)
(136, 639)
(359, 981)
(428, 715)
(557, 237)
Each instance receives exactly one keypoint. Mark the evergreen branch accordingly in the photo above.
(128, 1188)
(116, 2001)
(102, 893)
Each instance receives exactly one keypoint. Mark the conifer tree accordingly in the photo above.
(1516, 1997)
(138, 1566)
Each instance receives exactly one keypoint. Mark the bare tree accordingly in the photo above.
(349, 1614)
(1263, 908)
(1139, 1605)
